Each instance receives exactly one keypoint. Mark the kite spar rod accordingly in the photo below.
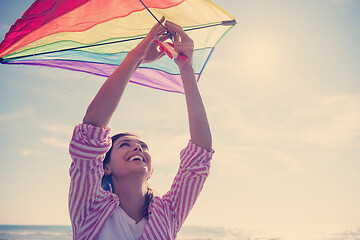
(223, 23)
(167, 31)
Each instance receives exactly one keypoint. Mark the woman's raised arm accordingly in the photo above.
(198, 123)
(107, 99)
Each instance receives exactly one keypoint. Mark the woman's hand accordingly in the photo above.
(183, 44)
(147, 49)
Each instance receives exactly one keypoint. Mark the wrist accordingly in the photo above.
(186, 68)
(135, 55)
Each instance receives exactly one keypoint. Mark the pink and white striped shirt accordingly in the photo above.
(90, 206)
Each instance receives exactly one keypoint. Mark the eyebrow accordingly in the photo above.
(127, 140)
(141, 142)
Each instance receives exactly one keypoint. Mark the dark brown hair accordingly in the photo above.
(107, 184)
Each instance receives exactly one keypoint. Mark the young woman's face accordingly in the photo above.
(129, 157)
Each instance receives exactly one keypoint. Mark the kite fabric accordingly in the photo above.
(94, 36)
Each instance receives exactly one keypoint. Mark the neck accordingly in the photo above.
(132, 196)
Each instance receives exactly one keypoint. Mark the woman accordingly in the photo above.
(129, 210)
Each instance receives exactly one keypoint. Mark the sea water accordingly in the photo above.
(12, 232)
(268, 232)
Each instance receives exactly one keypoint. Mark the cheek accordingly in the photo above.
(148, 156)
(151, 167)
(116, 159)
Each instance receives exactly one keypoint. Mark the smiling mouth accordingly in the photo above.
(136, 158)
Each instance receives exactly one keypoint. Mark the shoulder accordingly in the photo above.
(90, 132)
(89, 141)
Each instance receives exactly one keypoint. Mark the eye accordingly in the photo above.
(144, 146)
(124, 144)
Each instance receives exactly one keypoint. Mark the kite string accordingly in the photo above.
(167, 31)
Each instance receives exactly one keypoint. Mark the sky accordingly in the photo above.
(282, 94)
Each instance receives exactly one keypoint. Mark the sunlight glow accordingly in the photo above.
(260, 57)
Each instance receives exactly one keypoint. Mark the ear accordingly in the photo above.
(107, 170)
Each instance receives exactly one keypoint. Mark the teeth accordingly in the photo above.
(136, 158)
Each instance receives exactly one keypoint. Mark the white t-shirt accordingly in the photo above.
(121, 226)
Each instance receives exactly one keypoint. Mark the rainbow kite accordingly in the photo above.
(94, 36)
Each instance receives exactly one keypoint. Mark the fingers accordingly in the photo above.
(177, 31)
(182, 46)
(173, 27)
(163, 37)
(158, 24)
(157, 30)
(176, 37)
(160, 55)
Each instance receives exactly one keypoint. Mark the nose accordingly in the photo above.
(137, 147)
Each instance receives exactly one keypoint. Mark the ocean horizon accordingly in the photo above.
(258, 232)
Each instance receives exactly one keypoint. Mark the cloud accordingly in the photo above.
(287, 114)
(289, 126)
(10, 120)
(285, 158)
(55, 142)
(57, 128)
(30, 152)
(164, 146)
(253, 161)
(329, 122)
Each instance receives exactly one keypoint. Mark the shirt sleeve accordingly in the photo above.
(88, 202)
(188, 183)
